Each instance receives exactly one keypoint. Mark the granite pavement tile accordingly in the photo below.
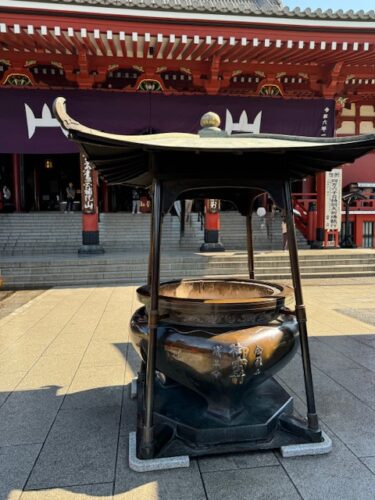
(20, 356)
(350, 419)
(369, 462)
(63, 346)
(26, 416)
(96, 386)
(175, 484)
(80, 449)
(338, 475)
(102, 353)
(52, 370)
(262, 483)
(8, 381)
(99, 491)
(237, 461)
(16, 463)
(352, 376)
(356, 351)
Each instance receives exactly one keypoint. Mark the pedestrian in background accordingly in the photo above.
(6, 194)
(284, 231)
(70, 195)
(136, 202)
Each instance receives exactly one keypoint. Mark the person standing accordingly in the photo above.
(5, 202)
(70, 195)
(7, 194)
(284, 231)
(136, 202)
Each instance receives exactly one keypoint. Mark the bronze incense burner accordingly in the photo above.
(210, 347)
(218, 337)
(218, 302)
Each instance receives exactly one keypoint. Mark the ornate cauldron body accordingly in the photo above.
(219, 338)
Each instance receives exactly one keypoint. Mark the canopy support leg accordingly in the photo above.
(312, 416)
(250, 247)
(147, 440)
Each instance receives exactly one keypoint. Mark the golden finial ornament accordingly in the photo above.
(210, 119)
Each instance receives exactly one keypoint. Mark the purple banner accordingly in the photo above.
(27, 124)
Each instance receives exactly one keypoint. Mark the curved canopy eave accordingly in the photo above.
(213, 154)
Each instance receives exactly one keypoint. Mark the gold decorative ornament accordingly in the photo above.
(210, 119)
(57, 64)
(150, 86)
(18, 80)
(270, 90)
(139, 68)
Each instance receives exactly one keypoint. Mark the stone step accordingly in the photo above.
(44, 233)
(34, 282)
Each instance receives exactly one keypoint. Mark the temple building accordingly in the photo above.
(145, 66)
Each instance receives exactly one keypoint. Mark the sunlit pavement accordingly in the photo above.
(65, 414)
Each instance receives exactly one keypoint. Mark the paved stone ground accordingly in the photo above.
(65, 372)
(10, 301)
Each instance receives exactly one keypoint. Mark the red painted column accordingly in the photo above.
(90, 213)
(16, 186)
(212, 227)
(308, 185)
(311, 222)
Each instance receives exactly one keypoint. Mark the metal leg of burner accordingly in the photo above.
(147, 439)
(149, 264)
(312, 416)
(250, 247)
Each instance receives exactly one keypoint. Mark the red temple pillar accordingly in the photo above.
(308, 185)
(16, 187)
(90, 213)
(212, 227)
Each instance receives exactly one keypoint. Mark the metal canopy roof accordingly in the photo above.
(211, 155)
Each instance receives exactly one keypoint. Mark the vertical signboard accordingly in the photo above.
(332, 219)
(87, 183)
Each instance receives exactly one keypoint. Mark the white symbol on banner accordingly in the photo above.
(243, 124)
(45, 121)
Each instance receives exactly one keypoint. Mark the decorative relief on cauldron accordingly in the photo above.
(239, 353)
(227, 319)
(216, 354)
(258, 363)
(174, 352)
